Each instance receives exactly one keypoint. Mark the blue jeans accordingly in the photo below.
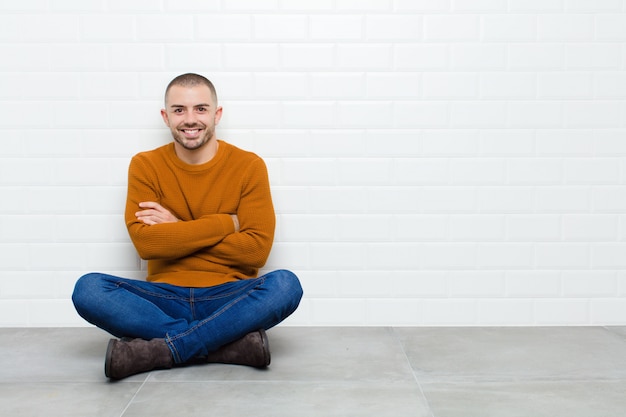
(193, 321)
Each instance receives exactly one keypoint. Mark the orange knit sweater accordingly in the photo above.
(202, 249)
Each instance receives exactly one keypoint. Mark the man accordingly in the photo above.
(200, 211)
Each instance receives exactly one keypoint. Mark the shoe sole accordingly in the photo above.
(107, 358)
(267, 357)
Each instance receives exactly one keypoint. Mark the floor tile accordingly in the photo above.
(52, 354)
(315, 354)
(62, 399)
(514, 353)
(527, 399)
(277, 399)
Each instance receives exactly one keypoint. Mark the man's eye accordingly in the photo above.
(178, 110)
(201, 109)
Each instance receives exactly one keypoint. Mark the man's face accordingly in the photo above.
(191, 114)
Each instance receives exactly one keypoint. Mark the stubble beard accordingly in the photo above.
(193, 144)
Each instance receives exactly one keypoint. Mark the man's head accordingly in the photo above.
(191, 112)
(191, 80)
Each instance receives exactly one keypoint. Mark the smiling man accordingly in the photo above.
(199, 210)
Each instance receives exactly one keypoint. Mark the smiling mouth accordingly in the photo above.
(191, 133)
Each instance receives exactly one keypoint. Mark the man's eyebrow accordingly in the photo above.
(195, 105)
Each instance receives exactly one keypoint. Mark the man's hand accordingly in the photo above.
(235, 221)
(154, 213)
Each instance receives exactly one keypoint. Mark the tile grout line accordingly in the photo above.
(419, 386)
(134, 396)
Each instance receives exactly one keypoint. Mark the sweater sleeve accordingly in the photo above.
(167, 240)
(251, 246)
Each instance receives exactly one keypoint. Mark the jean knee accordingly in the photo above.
(288, 283)
(85, 288)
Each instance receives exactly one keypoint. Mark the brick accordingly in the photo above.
(533, 284)
(408, 171)
(420, 114)
(448, 256)
(477, 228)
(593, 56)
(535, 114)
(396, 142)
(507, 142)
(478, 114)
(109, 85)
(338, 256)
(562, 256)
(364, 171)
(536, 5)
(564, 85)
(609, 142)
(478, 171)
(512, 312)
(250, 5)
(392, 200)
(451, 312)
(133, 57)
(336, 27)
(564, 142)
(393, 27)
(479, 56)
(14, 256)
(339, 310)
(589, 284)
(308, 114)
(308, 228)
(608, 255)
(475, 284)
(309, 171)
(505, 200)
(609, 85)
(342, 199)
(24, 86)
(290, 199)
(364, 57)
(447, 200)
(511, 85)
(226, 27)
(592, 171)
(339, 143)
(365, 114)
(246, 56)
(107, 28)
(536, 56)
(583, 114)
(364, 5)
(422, 5)
(525, 171)
(450, 85)
(350, 228)
(506, 28)
(609, 199)
(562, 312)
(165, 27)
(505, 256)
(450, 142)
(49, 28)
(560, 199)
(451, 27)
(390, 85)
(361, 284)
(593, 6)
(420, 228)
(280, 85)
(610, 27)
(393, 312)
(608, 311)
(565, 27)
(337, 85)
(421, 56)
(307, 56)
(281, 28)
(251, 114)
(533, 228)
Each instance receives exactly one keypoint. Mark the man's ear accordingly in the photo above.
(218, 115)
(165, 117)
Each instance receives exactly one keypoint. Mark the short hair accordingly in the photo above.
(191, 80)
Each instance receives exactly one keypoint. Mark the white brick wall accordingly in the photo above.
(433, 162)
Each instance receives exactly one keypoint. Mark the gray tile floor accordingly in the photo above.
(329, 371)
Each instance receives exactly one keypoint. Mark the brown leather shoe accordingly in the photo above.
(252, 350)
(126, 358)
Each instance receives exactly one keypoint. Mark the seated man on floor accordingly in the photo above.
(200, 211)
